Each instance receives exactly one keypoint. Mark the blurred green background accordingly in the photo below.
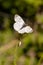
(31, 50)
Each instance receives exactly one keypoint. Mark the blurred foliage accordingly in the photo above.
(35, 3)
(31, 50)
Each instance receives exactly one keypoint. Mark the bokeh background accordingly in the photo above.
(31, 50)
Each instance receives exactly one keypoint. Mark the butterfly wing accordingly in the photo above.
(28, 29)
(16, 26)
(18, 22)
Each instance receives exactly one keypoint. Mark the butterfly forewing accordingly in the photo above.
(17, 18)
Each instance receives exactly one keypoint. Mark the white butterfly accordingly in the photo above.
(18, 25)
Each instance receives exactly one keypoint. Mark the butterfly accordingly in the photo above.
(19, 25)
